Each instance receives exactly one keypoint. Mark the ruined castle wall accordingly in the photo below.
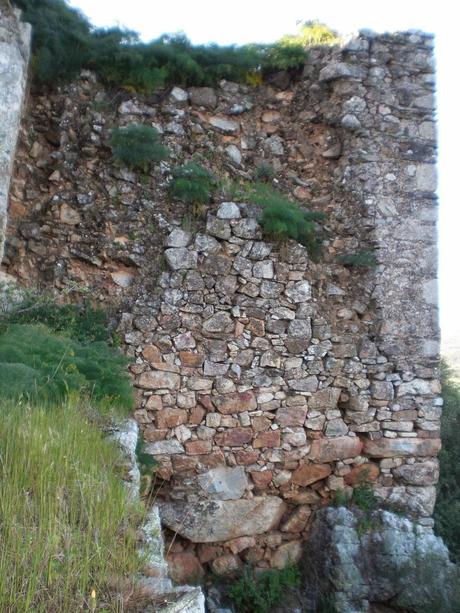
(14, 58)
(294, 396)
(266, 381)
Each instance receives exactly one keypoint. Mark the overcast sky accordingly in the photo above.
(245, 21)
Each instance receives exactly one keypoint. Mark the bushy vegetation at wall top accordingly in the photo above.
(64, 42)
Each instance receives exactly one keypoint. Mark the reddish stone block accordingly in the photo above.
(170, 418)
(206, 552)
(271, 438)
(305, 497)
(291, 416)
(244, 457)
(226, 565)
(152, 354)
(206, 402)
(184, 567)
(164, 470)
(309, 473)
(183, 464)
(298, 519)
(262, 478)
(198, 447)
(260, 423)
(364, 473)
(240, 544)
(197, 415)
(213, 460)
(191, 360)
(157, 379)
(235, 402)
(338, 448)
(154, 403)
(234, 437)
(256, 326)
(152, 434)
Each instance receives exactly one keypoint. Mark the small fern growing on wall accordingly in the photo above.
(137, 146)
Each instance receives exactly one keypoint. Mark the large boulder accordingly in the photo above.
(222, 520)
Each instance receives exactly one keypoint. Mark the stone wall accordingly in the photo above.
(14, 59)
(265, 381)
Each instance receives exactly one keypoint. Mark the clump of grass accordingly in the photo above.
(264, 173)
(259, 592)
(282, 218)
(360, 259)
(364, 497)
(137, 146)
(67, 529)
(193, 185)
(41, 366)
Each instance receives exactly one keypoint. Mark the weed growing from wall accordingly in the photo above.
(360, 259)
(264, 173)
(282, 218)
(262, 591)
(193, 185)
(137, 146)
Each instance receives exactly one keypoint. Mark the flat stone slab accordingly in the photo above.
(332, 449)
(215, 521)
(396, 447)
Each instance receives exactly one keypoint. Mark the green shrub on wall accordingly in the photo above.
(136, 146)
(264, 173)
(282, 218)
(192, 184)
(61, 39)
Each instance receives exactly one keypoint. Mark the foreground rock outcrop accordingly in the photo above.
(155, 588)
(355, 562)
